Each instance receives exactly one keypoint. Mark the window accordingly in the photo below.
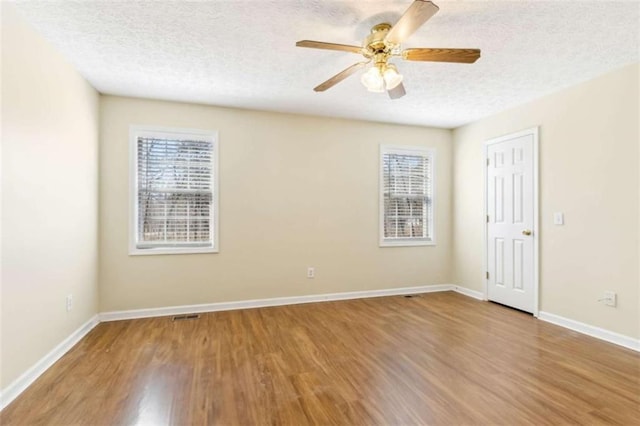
(406, 196)
(174, 196)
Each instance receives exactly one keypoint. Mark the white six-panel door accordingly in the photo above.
(510, 206)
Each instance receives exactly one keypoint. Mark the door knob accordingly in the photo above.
(526, 232)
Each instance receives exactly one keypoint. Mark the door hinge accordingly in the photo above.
(487, 161)
(487, 275)
(487, 218)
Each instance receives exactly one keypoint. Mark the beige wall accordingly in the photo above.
(638, 188)
(589, 161)
(49, 197)
(295, 191)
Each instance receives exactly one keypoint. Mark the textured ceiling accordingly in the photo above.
(243, 54)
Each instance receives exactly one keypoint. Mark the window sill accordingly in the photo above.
(164, 250)
(407, 243)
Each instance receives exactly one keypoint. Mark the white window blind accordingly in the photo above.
(406, 196)
(174, 192)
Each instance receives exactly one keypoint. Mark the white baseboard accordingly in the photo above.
(590, 330)
(9, 393)
(468, 292)
(261, 303)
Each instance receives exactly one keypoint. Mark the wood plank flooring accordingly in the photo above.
(440, 358)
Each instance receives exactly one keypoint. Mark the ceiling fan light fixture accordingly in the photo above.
(384, 43)
(391, 77)
(381, 77)
(372, 79)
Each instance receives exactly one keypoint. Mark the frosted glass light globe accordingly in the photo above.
(372, 80)
(391, 77)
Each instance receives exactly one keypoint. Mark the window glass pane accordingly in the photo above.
(406, 193)
(174, 176)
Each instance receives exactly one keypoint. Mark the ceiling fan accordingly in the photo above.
(384, 43)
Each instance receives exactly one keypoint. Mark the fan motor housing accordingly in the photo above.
(375, 43)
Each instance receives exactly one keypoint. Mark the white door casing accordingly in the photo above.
(512, 229)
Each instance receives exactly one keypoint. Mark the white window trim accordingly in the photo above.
(408, 150)
(157, 131)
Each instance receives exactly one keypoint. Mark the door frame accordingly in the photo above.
(534, 131)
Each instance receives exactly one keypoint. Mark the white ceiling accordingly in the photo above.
(243, 54)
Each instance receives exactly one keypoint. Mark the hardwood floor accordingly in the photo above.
(440, 358)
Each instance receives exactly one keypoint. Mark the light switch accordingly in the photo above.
(558, 218)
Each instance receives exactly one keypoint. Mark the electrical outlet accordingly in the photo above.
(311, 272)
(610, 298)
(69, 302)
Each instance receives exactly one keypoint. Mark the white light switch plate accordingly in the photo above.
(558, 218)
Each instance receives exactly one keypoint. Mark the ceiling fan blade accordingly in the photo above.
(465, 56)
(397, 92)
(418, 13)
(329, 46)
(339, 77)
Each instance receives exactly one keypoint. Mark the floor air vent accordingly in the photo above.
(185, 317)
